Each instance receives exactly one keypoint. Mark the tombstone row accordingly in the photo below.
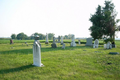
(37, 47)
(96, 44)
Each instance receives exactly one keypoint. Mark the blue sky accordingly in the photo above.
(60, 17)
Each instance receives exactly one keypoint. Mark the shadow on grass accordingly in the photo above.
(30, 51)
(4, 71)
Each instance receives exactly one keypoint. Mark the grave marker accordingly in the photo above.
(37, 53)
(54, 44)
(11, 41)
(63, 47)
(96, 44)
(46, 39)
(89, 42)
(73, 44)
(61, 40)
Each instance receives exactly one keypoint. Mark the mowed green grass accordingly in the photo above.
(72, 63)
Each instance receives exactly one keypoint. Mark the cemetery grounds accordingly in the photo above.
(72, 63)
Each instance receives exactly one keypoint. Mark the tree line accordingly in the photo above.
(22, 36)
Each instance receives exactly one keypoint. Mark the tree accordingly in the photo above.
(66, 37)
(13, 36)
(32, 36)
(41, 36)
(70, 36)
(97, 26)
(109, 20)
(21, 36)
(50, 36)
(103, 22)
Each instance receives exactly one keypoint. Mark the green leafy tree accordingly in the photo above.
(66, 37)
(97, 26)
(50, 36)
(13, 36)
(32, 36)
(21, 36)
(109, 20)
(41, 36)
(103, 22)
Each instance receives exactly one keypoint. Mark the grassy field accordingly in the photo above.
(72, 63)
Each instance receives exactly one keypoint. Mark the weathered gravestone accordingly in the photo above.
(105, 46)
(58, 39)
(73, 41)
(61, 40)
(54, 44)
(63, 47)
(37, 54)
(79, 42)
(46, 42)
(108, 45)
(96, 44)
(89, 42)
(11, 41)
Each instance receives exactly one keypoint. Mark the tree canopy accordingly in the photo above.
(21, 36)
(103, 21)
(13, 36)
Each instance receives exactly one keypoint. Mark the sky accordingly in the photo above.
(61, 17)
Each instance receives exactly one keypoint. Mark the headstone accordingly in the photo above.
(54, 44)
(108, 45)
(105, 46)
(11, 41)
(73, 41)
(63, 47)
(113, 45)
(61, 40)
(37, 39)
(58, 39)
(37, 54)
(89, 42)
(96, 44)
(46, 39)
(79, 42)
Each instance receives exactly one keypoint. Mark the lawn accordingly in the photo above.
(72, 63)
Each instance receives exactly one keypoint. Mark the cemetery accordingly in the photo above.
(62, 62)
(39, 49)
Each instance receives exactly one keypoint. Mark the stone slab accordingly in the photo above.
(114, 53)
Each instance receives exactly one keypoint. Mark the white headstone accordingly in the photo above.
(73, 41)
(108, 45)
(63, 47)
(105, 46)
(46, 39)
(89, 42)
(61, 40)
(96, 44)
(37, 55)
